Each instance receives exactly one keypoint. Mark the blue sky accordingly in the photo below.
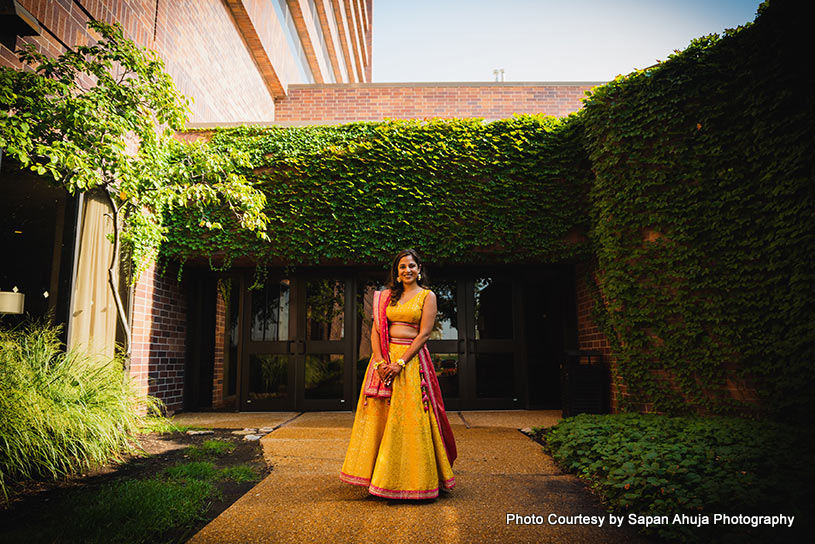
(538, 40)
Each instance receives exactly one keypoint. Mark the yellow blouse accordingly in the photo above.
(408, 312)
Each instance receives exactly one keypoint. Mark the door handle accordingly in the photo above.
(289, 347)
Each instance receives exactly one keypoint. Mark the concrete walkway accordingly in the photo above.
(499, 471)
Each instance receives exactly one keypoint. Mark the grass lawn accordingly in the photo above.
(165, 495)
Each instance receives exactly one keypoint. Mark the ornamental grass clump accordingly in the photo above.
(60, 412)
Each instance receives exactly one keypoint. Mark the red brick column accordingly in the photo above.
(589, 337)
(159, 325)
(218, 359)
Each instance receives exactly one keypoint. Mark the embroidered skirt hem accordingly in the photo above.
(396, 449)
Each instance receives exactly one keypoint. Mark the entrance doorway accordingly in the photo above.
(304, 338)
(297, 343)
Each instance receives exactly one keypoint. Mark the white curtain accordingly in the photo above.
(93, 311)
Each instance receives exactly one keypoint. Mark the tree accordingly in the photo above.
(103, 116)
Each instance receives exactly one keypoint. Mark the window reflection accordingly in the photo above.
(270, 312)
(325, 309)
(324, 376)
(446, 325)
(364, 322)
(493, 308)
(495, 375)
(446, 365)
(268, 376)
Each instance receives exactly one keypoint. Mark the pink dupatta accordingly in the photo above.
(375, 387)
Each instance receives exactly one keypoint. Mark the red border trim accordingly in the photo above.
(354, 480)
(405, 494)
(394, 493)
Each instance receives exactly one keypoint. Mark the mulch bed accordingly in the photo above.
(31, 501)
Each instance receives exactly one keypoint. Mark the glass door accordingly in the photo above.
(447, 340)
(296, 344)
(492, 348)
(270, 347)
(323, 378)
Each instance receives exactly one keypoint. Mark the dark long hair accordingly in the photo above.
(396, 287)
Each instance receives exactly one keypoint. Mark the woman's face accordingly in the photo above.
(408, 270)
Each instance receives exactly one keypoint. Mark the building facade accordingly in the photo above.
(210, 342)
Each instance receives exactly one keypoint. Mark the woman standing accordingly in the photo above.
(402, 446)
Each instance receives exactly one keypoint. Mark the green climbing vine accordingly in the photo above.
(462, 190)
(702, 208)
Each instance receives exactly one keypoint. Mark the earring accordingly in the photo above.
(420, 276)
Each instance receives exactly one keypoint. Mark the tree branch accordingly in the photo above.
(114, 285)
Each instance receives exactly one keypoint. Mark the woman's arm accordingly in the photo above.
(425, 328)
(376, 350)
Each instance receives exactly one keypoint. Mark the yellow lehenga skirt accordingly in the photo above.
(396, 449)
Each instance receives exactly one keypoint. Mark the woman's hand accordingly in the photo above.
(382, 370)
(388, 372)
(393, 371)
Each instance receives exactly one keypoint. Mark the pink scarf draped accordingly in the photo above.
(375, 387)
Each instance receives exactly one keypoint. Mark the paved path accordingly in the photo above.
(499, 471)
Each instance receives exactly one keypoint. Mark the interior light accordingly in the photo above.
(12, 302)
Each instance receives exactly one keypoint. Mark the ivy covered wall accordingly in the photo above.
(462, 190)
(702, 213)
(693, 181)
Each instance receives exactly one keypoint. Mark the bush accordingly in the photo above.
(652, 464)
(60, 412)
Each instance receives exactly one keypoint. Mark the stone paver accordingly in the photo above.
(514, 419)
(499, 471)
(233, 420)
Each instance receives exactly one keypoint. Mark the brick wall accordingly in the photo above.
(159, 325)
(307, 104)
(218, 362)
(199, 42)
(589, 337)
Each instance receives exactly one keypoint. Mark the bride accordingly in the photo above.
(402, 446)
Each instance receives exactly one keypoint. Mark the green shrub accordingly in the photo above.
(651, 464)
(60, 413)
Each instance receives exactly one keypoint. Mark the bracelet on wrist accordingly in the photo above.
(376, 364)
(400, 362)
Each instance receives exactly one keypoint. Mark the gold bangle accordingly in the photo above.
(376, 364)
(400, 362)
